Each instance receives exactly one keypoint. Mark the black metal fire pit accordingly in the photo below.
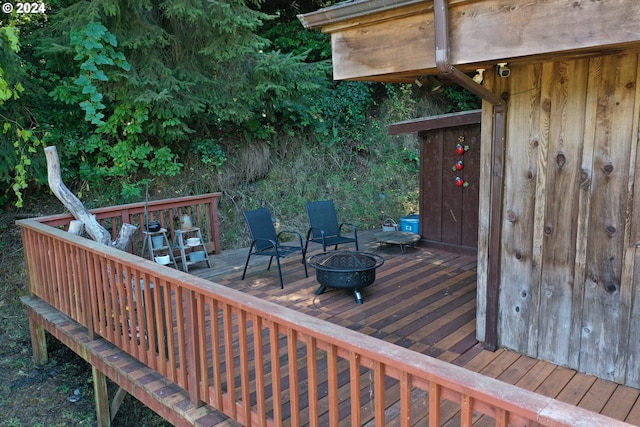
(350, 270)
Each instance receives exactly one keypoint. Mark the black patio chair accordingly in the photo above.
(324, 228)
(265, 241)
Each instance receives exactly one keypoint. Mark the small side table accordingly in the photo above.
(162, 244)
(402, 238)
(180, 236)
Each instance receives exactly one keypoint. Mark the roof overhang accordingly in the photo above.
(393, 40)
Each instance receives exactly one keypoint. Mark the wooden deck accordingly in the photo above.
(423, 300)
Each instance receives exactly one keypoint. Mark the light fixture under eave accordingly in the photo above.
(435, 85)
(479, 76)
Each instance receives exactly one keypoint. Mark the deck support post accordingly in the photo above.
(101, 397)
(38, 341)
(105, 413)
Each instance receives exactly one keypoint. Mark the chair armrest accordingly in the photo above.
(353, 227)
(291, 232)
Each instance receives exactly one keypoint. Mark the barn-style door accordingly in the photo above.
(450, 171)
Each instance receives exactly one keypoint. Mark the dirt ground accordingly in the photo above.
(61, 392)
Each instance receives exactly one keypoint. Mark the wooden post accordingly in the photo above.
(215, 225)
(102, 399)
(38, 340)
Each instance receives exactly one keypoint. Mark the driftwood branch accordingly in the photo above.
(76, 227)
(91, 225)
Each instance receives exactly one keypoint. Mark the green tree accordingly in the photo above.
(131, 84)
(18, 139)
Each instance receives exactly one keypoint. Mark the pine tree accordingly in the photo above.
(142, 79)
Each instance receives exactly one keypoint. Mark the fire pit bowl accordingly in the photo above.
(350, 270)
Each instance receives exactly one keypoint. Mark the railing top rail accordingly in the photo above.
(137, 207)
(457, 379)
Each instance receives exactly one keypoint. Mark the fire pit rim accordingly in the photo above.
(313, 261)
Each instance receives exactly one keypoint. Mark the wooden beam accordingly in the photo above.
(117, 401)
(423, 124)
(386, 45)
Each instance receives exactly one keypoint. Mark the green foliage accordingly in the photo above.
(284, 85)
(95, 47)
(131, 85)
(117, 150)
(287, 37)
(346, 113)
(17, 143)
(461, 99)
(210, 153)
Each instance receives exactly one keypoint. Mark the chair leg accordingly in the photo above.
(304, 262)
(280, 271)
(246, 264)
(270, 260)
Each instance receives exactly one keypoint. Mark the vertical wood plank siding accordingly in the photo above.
(568, 290)
(258, 362)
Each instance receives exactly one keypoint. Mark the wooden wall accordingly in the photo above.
(570, 265)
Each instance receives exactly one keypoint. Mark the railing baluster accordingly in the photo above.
(276, 379)
(332, 367)
(151, 325)
(312, 380)
(379, 393)
(354, 385)
(405, 399)
(434, 404)
(84, 298)
(245, 386)
(258, 351)
(201, 336)
(183, 380)
(466, 411)
(294, 386)
(229, 362)
(216, 358)
(134, 285)
(171, 326)
(501, 417)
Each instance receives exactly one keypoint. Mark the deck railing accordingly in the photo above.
(258, 362)
(203, 210)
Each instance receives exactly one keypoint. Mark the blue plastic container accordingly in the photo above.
(410, 223)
